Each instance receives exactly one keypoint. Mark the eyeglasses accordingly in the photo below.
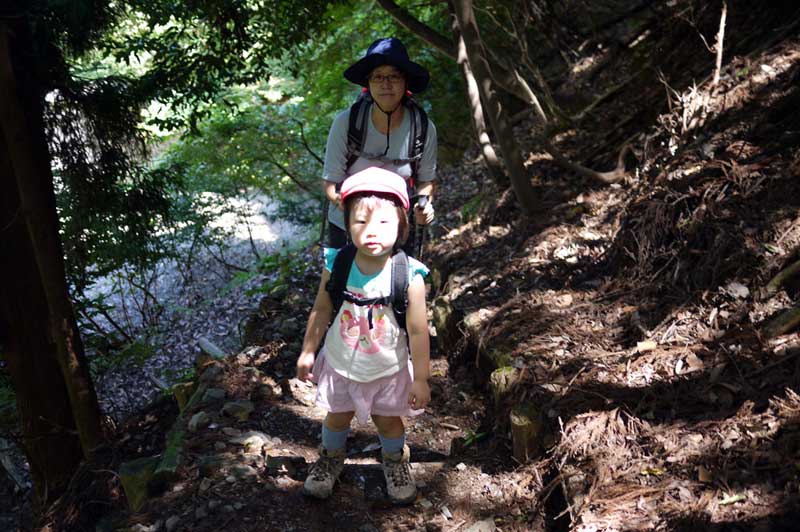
(394, 79)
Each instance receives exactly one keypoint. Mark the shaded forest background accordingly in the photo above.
(126, 125)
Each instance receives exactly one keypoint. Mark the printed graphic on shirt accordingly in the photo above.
(365, 343)
(366, 331)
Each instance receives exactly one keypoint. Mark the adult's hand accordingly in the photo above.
(424, 215)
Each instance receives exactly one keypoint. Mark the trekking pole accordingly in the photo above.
(419, 231)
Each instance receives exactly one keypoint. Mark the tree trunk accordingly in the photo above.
(49, 438)
(520, 182)
(474, 96)
(504, 78)
(22, 125)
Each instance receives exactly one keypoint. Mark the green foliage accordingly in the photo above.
(471, 208)
(474, 437)
(192, 50)
(178, 375)
(282, 269)
(134, 353)
(254, 139)
(321, 62)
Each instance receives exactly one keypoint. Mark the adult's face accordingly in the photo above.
(387, 85)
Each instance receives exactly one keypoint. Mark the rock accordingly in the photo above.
(214, 504)
(487, 525)
(205, 484)
(200, 513)
(213, 394)
(172, 523)
(135, 476)
(211, 348)
(240, 410)
(199, 421)
(252, 441)
(212, 373)
(473, 322)
(167, 470)
(289, 327)
(210, 466)
(243, 472)
(284, 465)
(220, 446)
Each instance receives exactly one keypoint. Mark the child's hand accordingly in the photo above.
(304, 364)
(420, 395)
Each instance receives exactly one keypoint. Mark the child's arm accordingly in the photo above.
(419, 341)
(318, 321)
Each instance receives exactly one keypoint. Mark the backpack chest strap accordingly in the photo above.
(366, 301)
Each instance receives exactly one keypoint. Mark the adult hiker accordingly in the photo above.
(370, 314)
(384, 128)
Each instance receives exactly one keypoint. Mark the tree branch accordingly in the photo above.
(415, 26)
(305, 143)
(502, 76)
(289, 174)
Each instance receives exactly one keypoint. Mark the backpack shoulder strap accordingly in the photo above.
(399, 294)
(357, 127)
(337, 284)
(418, 133)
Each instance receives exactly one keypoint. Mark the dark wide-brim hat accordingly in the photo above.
(388, 51)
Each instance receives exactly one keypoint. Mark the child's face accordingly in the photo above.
(373, 228)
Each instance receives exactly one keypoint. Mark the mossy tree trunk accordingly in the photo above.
(49, 437)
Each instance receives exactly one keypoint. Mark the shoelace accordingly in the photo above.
(323, 469)
(399, 473)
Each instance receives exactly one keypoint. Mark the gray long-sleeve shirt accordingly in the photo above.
(336, 154)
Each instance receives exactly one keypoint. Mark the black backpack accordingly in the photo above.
(357, 131)
(398, 298)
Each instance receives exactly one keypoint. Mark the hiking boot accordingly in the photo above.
(399, 481)
(324, 473)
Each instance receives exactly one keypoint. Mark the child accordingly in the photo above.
(363, 368)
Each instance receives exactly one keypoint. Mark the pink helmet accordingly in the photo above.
(376, 179)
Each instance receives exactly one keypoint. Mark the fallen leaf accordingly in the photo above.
(731, 499)
(703, 475)
(647, 345)
(694, 362)
(737, 290)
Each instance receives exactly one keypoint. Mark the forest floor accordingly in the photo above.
(634, 319)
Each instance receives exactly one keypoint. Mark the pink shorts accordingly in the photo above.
(387, 396)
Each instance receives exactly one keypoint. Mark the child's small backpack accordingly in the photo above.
(398, 298)
(357, 132)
